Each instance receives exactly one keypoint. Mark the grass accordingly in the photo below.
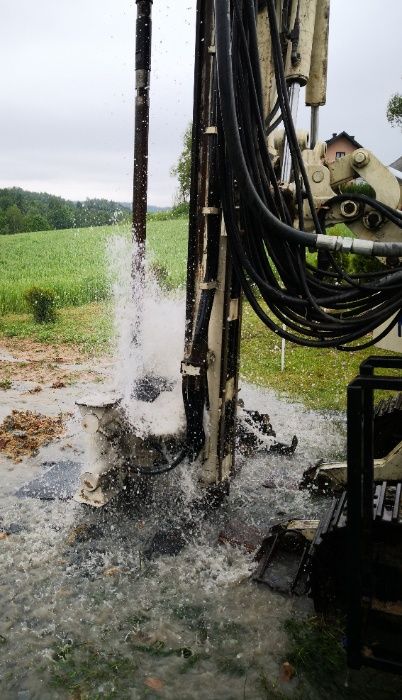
(315, 650)
(82, 668)
(89, 327)
(5, 385)
(73, 262)
(88, 672)
(159, 649)
(316, 377)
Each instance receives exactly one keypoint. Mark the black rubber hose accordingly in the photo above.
(232, 137)
(143, 471)
(321, 307)
(334, 341)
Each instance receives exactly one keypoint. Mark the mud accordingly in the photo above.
(24, 433)
(39, 364)
(85, 614)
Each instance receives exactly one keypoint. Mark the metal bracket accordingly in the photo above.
(210, 210)
(233, 310)
(189, 370)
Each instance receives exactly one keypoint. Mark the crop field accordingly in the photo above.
(74, 262)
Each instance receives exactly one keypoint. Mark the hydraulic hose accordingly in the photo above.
(143, 471)
(233, 143)
(321, 306)
(232, 136)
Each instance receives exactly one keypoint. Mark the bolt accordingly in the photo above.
(349, 209)
(318, 176)
(360, 158)
(372, 220)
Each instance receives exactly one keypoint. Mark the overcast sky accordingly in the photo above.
(67, 88)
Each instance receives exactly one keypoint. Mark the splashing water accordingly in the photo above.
(158, 347)
(87, 615)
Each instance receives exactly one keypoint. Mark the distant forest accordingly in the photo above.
(38, 211)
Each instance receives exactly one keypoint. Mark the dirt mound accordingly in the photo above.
(24, 432)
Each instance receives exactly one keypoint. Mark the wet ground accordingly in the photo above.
(86, 614)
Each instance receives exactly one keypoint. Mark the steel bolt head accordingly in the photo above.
(318, 176)
(360, 158)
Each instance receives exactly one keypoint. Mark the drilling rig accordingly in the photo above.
(262, 204)
(262, 195)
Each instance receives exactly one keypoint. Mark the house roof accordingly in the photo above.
(396, 173)
(397, 164)
(345, 135)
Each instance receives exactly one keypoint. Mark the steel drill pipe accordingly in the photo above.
(141, 134)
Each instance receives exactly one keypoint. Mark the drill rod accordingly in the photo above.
(142, 84)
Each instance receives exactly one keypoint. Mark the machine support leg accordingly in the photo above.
(354, 521)
(213, 303)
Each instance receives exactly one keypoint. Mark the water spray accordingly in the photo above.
(116, 449)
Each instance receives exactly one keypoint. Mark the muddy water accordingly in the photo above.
(86, 615)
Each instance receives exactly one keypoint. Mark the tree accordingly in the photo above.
(59, 213)
(3, 223)
(41, 211)
(14, 219)
(36, 222)
(394, 110)
(183, 168)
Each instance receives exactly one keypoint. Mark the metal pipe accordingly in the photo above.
(142, 85)
(316, 89)
(294, 93)
(314, 120)
(196, 222)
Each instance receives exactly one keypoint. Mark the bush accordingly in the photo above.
(357, 188)
(362, 263)
(42, 303)
(355, 264)
(180, 210)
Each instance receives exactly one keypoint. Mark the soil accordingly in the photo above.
(87, 614)
(25, 348)
(26, 360)
(24, 432)
(39, 385)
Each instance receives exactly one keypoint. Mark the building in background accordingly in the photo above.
(340, 145)
(396, 168)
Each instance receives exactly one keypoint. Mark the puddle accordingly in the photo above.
(83, 608)
(80, 602)
(90, 611)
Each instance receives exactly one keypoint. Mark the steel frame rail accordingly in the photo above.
(360, 482)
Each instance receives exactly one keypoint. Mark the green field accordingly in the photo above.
(74, 263)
